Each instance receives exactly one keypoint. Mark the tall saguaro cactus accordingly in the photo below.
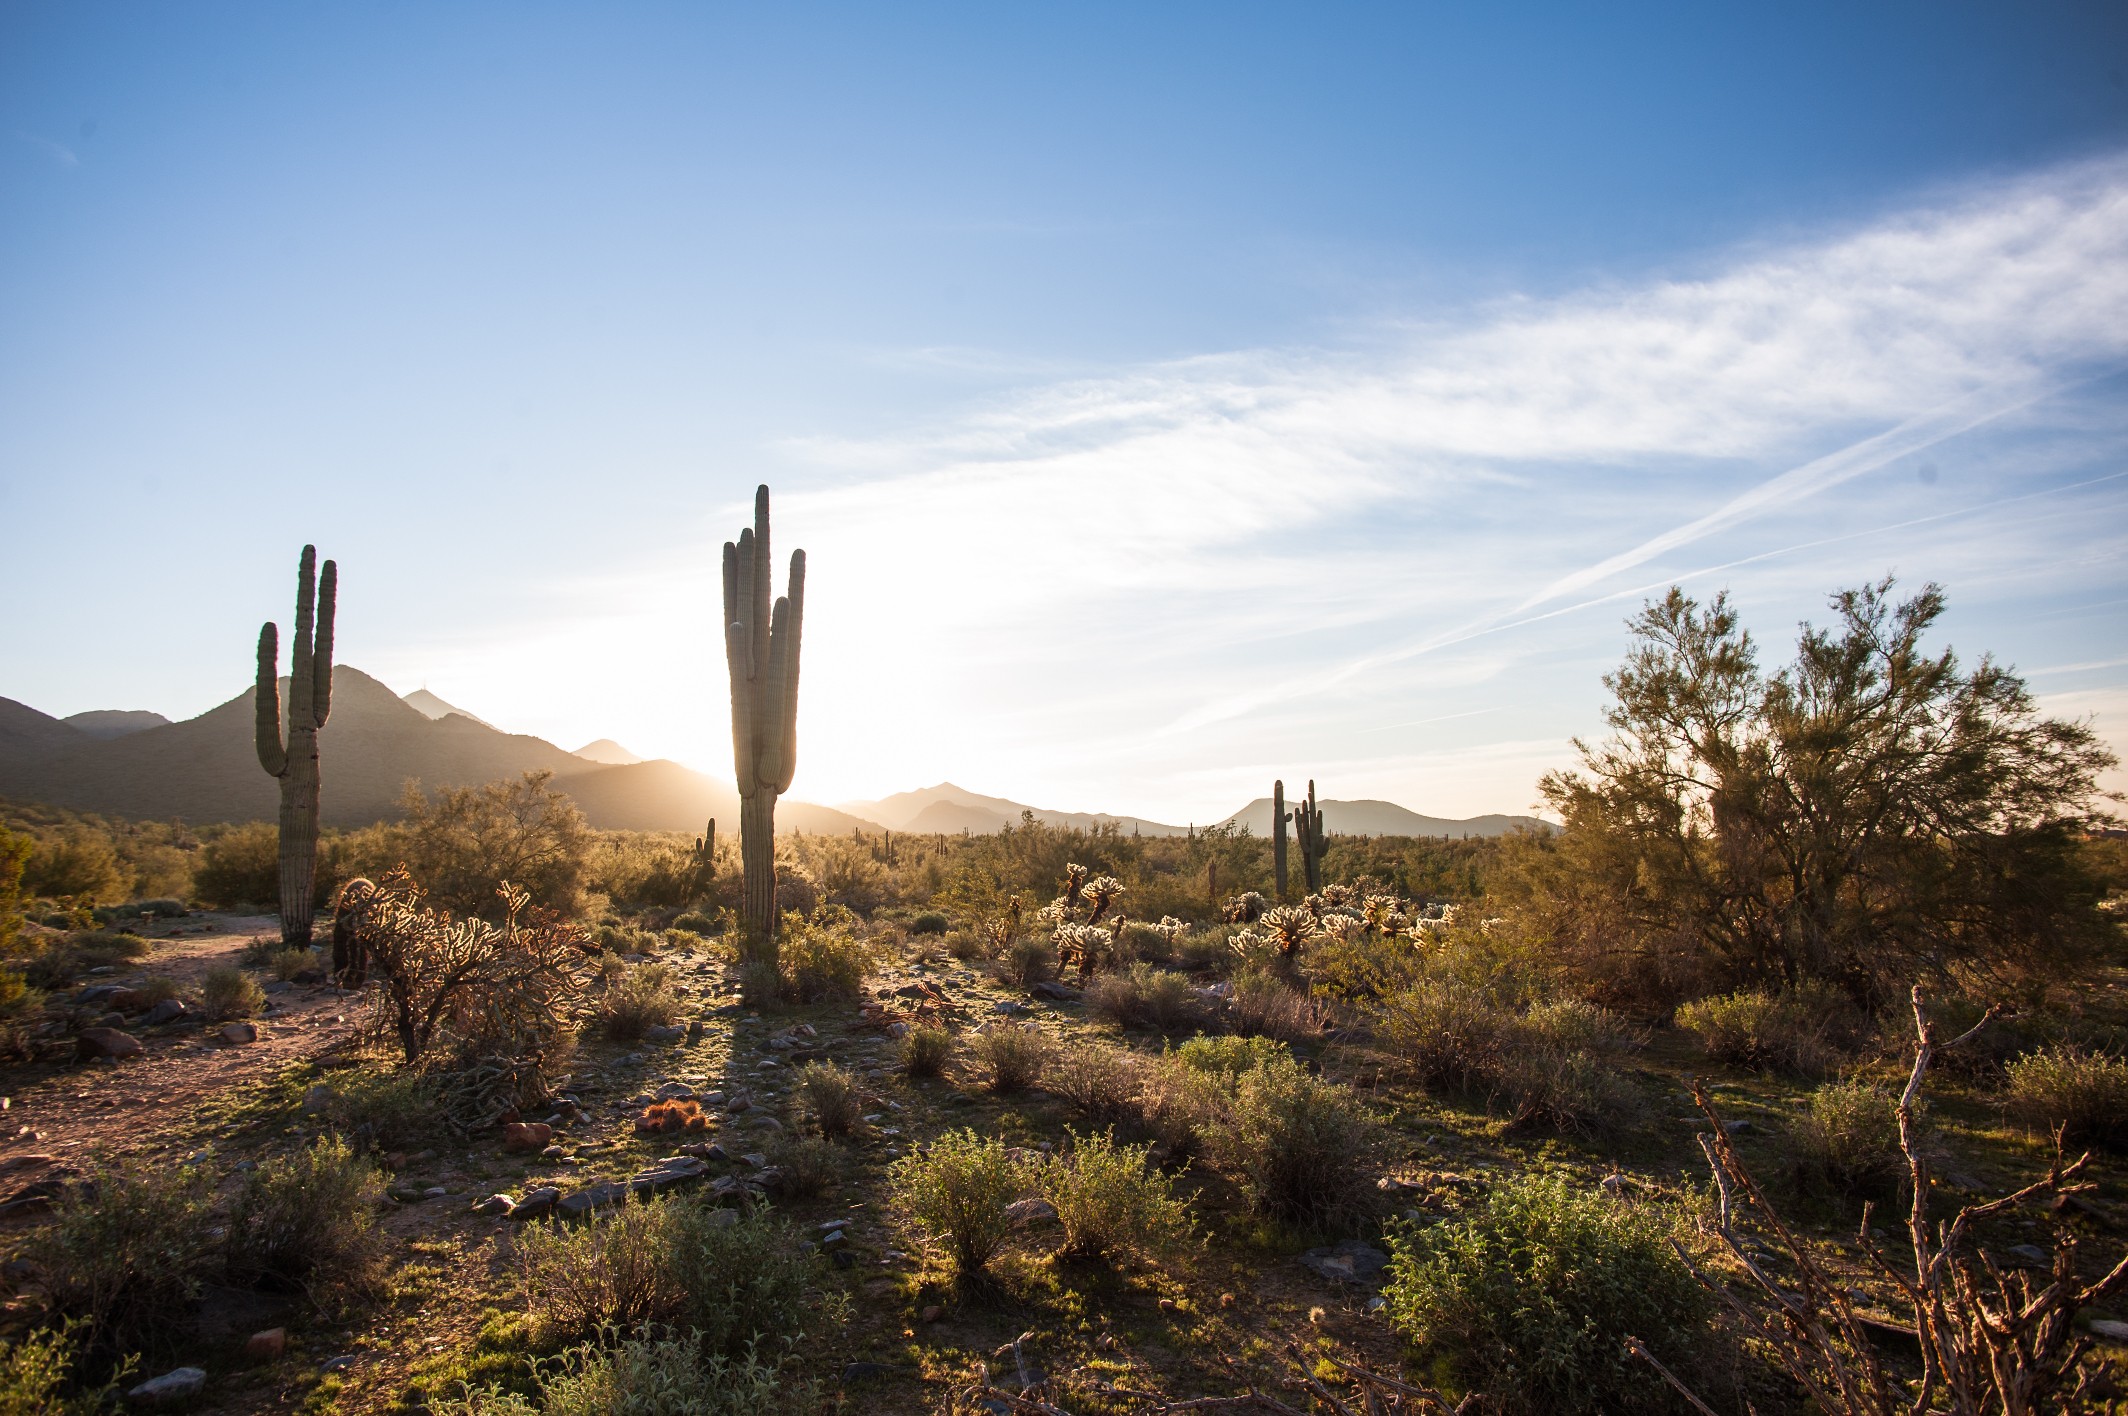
(1279, 817)
(761, 648)
(295, 759)
(1308, 835)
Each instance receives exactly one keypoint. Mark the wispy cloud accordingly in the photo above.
(56, 151)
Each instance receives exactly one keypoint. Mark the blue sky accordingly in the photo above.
(1169, 397)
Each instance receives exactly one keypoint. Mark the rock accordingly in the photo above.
(318, 1096)
(2110, 1330)
(554, 1153)
(721, 1218)
(277, 986)
(126, 1000)
(535, 1204)
(169, 1387)
(695, 1028)
(663, 1032)
(496, 1204)
(842, 1258)
(634, 1059)
(1011, 1009)
(1055, 992)
(1022, 1213)
(756, 1160)
(2030, 1256)
(436, 1192)
(674, 1091)
(598, 1197)
(834, 1238)
(101, 993)
(931, 1314)
(669, 1174)
(866, 1372)
(110, 1042)
(240, 1032)
(1353, 1261)
(521, 1137)
(267, 1345)
(341, 1363)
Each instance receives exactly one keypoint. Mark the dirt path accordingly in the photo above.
(60, 1114)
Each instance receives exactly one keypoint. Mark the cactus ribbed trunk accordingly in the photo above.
(294, 759)
(761, 645)
(1314, 844)
(1279, 817)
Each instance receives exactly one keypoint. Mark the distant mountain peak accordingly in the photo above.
(105, 723)
(608, 752)
(430, 706)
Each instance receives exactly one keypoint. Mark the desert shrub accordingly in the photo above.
(382, 1110)
(308, 1221)
(1014, 1053)
(698, 922)
(613, 1270)
(828, 1096)
(1226, 1059)
(1108, 1202)
(646, 1376)
(76, 862)
(227, 992)
(820, 962)
(1551, 1063)
(1145, 997)
(2083, 1093)
(1796, 1032)
(1443, 1031)
(1260, 1004)
(745, 1276)
(20, 1007)
(288, 965)
(1026, 960)
(967, 945)
(929, 922)
(807, 1167)
(1849, 1138)
(1531, 1294)
(1178, 1106)
(157, 988)
(637, 1000)
(38, 1376)
(14, 856)
(57, 964)
(242, 866)
(951, 1200)
(1099, 1080)
(1301, 1146)
(126, 1250)
(464, 843)
(924, 1051)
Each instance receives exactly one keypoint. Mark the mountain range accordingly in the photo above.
(133, 763)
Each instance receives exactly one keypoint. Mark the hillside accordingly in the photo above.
(206, 769)
(1386, 818)
(951, 809)
(114, 722)
(428, 705)
(608, 753)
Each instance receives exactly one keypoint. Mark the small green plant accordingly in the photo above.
(1531, 1294)
(929, 922)
(1225, 1059)
(1145, 997)
(308, 1221)
(968, 945)
(2082, 1093)
(227, 992)
(924, 1051)
(1849, 1138)
(828, 1096)
(383, 1109)
(1261, 1004)
(1798, 1031)
(20, 1006)
(37, 1376)
(126, 1251)
(952, 1200)
(288, 965)
(611, 1271)
(1027, 960)
(1014, 1053)
(747, 1278)
(806, 1167)
(646, 1376)
(1301, 1147)
(1109, 1202)
(637, 1000)
(819, 963)
(1179, 1106)
(1099, 1080)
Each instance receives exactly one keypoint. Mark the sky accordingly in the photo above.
(1168, 397)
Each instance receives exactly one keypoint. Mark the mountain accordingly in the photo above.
(1386, 818)
(115, 722)
(961, 809)
(609, 752)
(428, 705)
(206, 768)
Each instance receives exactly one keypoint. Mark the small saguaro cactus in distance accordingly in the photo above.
(1279, 817)
(295, 759)
(1308, 835)
(761, 649)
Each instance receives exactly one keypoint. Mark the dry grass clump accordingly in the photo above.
(1552, 1063)
(2082, 1093)
(612, 1270)
(968, 945)
(1261, 1004)
(1109, 1202)
(636, 1000)
(228, 992)
(806, 1167)
(288, 965)
(1799, 1031)
(1014, 1053)
(670, 1118)
(951, 1199)
(1145, 997)
(818, 963)
(924, 1050)
(1101, 1081)
(1849, 1138)
(828, 1096)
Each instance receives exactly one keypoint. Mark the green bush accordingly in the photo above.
(1026, 960)
(828, 1096)
(309, 1221)
(929, 922)
(1530, 1295)
(806, 1167)
(1261, 1004)
(1552, 1063)
(745, 1275)
(613, 1270)
(820, 963)
(227, 992)
(1014, 1053)
(1178, 1105)
(648, 1376)
(924, 1051)
(951, 1200)
(2080, 1092)
(1302, 1147)
(20, 1008)
(126, 1251)
(1799, 1031)
(1849, 1138)
(37, 1376)
(1145, 997)
(1225, 1059)
(383, 1110)
(1109, 1202)
(637, 1000)
(242, 866)
(1099, 1080)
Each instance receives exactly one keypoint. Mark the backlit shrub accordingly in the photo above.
(2084, 1093)
(951, 1200)
(1014, 1053)
(1109, 1203)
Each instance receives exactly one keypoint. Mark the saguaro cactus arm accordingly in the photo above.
(266, 702)
(322, 655)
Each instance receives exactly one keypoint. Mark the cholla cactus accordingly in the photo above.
(1341, 926)
(1081, 944)
(1245, 908)
(1101, 892)
(1170, 928)
(1290, 929)
(1075, 878)
(1384, 913)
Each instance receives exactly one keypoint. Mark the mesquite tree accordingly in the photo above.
(295, 759)
(761, 648)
